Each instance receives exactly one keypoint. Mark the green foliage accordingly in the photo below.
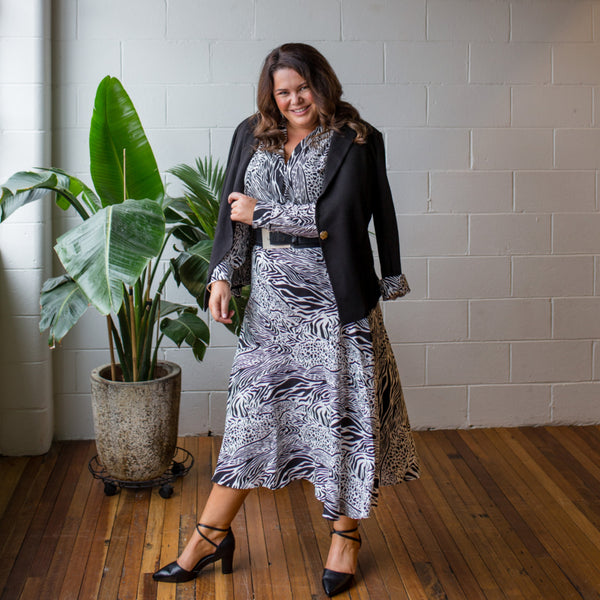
(111, 250)
(194, 218)
(62, 305)
(112, 257)
(189, 328)
(122, 163)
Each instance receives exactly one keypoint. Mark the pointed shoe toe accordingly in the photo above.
(335, 583)
(173, 573)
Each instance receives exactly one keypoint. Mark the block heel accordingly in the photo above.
(173, 573)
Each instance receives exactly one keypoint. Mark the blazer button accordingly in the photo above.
(323, 235)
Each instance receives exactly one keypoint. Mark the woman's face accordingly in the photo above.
(295, 100)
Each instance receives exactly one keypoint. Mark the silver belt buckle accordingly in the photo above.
(266, 241)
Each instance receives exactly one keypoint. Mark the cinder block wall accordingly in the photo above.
(26, 396)
(489, 110)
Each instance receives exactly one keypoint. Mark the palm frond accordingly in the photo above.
(202, 185)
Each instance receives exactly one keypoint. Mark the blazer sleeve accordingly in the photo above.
(240, 152)
(393, 283)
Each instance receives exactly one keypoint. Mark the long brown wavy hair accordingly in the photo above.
(326, 89)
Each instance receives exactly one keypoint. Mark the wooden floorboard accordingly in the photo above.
(498, 514)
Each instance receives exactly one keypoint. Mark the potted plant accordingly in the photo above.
(113, 262)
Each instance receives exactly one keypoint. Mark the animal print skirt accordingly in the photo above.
(310, 398)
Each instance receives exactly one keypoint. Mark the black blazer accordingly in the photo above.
(355, 188)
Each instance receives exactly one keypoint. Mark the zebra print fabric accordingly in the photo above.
(309, 398)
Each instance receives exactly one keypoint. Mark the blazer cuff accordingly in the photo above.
(393, 286)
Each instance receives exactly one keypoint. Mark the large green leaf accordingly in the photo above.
(190, 328)
(116, 126)
(182, 222)
(22, 188)
(62, 305)
(111, 249)
(26, 186)
(168, 308)
(190, 268)
(77, 187)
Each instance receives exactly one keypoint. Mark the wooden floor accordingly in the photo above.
(499, 513)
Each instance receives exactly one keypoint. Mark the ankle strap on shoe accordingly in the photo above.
(209, 527)
(342, 533)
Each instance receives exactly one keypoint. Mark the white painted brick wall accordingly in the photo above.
(26, 400)
(510, 319)
(571, 143)
(469, 277)
(468, 363)
(390, 105)
(576, 318)
(210, 19)
(551, 21)
(165, 61)
(471, 192)
(512, 149)
(564, 106)
(96, 20)
(467, 20)
(576, 402)
(551, 361)
(469, 106)
(427, 235)
(424, 62)
(421, 149)
(490, 116)
(509, 405)
(438, 407)
(516, 233)
(576, 233)
(382, 19)
(515, 62)
(575, 63)
(552, 276)
(555, 191)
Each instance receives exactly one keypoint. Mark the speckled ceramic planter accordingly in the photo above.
(136, 423)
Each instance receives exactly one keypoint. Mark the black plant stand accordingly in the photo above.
(181, 464)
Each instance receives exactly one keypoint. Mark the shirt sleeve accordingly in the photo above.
(292, 219)
(393, 286)
(235, 256)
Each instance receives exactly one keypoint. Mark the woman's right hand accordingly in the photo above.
(218, 302)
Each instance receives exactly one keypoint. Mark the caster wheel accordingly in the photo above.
(166, 491)
(110, 489)
(177, 468)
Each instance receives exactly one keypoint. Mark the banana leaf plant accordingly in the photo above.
(112, 258)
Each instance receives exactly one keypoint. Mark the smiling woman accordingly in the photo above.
(314, 391)
(301, 70)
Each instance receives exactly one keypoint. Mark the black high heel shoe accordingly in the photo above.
(333, 582)
(173, 573)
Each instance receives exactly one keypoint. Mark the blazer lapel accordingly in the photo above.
(340, 144)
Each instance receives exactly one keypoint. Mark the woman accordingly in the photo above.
(314, 391)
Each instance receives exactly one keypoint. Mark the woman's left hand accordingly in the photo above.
(242, 207)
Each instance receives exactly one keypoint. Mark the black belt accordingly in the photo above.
(276, 239)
